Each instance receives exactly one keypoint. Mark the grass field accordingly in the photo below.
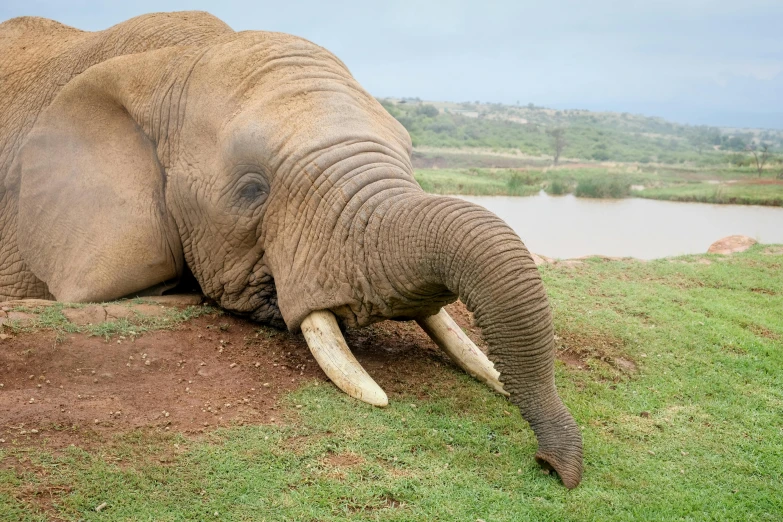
(672, 369)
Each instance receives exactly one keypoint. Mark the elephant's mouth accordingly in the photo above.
(266, 309)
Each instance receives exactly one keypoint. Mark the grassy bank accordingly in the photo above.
(478, 182)
(731, 193)
(672, 369)
(729, 185)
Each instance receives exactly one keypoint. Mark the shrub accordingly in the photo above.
(611, 188)
(557, 188)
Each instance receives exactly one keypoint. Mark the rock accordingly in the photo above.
(175, 299)
(541, 260)
(83, 316)
(29, 303)
(114, 312)
(731, 244)
(22, 318)
(150, 310)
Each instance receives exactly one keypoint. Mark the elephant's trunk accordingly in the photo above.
(429, 242)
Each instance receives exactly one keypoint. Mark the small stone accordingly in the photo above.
(33, 430)
(147, 362)
(232, 365)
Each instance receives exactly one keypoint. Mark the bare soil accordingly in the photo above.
(215, 370)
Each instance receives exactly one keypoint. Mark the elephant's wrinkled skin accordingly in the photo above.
(171, 143)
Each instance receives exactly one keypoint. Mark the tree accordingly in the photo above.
(760, 155)
(427, 110)
(558, 142)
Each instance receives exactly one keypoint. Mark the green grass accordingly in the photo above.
(707, 341)
(51, 317)
(478, 182)
(733, 193)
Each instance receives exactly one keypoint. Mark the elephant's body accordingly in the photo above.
(38, 57)
(255, 161)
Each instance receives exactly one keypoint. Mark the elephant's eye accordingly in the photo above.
(253, 189)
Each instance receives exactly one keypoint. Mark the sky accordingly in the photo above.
(711, 62)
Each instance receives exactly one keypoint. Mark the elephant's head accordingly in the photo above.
(261, 165)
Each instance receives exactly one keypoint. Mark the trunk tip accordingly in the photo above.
(568, 467)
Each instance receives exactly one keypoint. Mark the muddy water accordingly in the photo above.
(566, 226)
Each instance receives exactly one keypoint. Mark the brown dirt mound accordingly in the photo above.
(731, 245)
(211, 371)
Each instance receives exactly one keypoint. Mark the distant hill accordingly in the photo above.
(602, 136)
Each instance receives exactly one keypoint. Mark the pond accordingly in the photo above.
(566, 226)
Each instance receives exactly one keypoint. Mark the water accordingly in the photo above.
(566, 226)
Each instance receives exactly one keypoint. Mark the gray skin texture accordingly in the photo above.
(256, 161)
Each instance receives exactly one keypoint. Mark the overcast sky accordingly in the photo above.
(695, 61)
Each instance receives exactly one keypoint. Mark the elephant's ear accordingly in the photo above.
(93, 223)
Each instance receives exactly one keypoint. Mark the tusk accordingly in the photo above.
(451, 339)
(327, 345)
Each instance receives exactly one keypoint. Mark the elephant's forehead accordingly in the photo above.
(253, 56)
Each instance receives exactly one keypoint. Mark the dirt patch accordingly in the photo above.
(343, 460)
(764, 332)
(587, 351)
(214, 370)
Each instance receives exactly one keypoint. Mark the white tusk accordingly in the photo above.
(327, 345)
(451, 339)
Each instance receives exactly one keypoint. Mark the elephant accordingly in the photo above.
(170, 146)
